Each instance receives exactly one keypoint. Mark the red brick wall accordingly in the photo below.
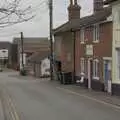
(101, 49)
(67, 50)
(65, 42)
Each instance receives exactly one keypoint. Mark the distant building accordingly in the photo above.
(40, 63)
(30, 46)
(5, 53)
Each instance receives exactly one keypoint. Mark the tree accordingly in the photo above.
(12, 13)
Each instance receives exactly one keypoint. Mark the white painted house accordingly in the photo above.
(40, 64)
(45, 67)
(116, 45)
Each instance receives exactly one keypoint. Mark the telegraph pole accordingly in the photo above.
(51, 36)
(22, 51)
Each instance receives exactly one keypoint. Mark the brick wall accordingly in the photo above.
(100, 50)
(64, 50)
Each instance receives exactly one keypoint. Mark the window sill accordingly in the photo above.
(96, 41)
(82, 42)
(96, 78)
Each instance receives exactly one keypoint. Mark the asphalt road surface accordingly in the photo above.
(25, 98)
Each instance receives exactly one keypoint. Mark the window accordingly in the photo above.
(96, 33)
(82, 36)
(82, 65)
(95, 69)
(118, 63)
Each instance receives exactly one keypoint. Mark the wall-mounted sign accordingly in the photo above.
(3, 54)
(69, 57)
(89, 49)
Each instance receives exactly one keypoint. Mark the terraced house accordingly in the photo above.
(93, 48)
(84, 45)
(116, 45)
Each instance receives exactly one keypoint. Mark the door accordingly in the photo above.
(90, 72)
(107, 75)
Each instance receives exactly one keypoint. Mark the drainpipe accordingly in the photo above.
(74, 38)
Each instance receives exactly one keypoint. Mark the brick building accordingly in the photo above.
(64, 42)
(93, 49)
(79, 45)
(30, 46)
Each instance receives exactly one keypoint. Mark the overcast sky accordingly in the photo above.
(39, 26)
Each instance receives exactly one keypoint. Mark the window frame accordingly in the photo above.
(96, 33)
(82, 35)
(96, 69)
(82, 65)
(118, 64)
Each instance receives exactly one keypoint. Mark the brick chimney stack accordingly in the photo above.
(98, 5)
(73, 10)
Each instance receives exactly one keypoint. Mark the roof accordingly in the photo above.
(109, 1)
(5, 45)
(85, 21)
(30, 39)
(33, 44)
(38, 56)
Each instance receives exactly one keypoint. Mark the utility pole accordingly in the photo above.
(51, 36)
(22, 51)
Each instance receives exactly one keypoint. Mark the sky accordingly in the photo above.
(39, 25)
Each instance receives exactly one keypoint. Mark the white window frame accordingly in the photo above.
(96, 33)
(95, 69)
(82, 35)
(82, 65)
(118, 64)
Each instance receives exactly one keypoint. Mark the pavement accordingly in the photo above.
(1, 111)
(102, 96)
(27, 98)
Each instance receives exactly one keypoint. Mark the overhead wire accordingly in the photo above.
(8, 35)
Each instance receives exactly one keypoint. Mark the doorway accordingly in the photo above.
(90, 72)
(107, 75)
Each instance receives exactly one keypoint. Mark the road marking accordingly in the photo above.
(90, 98)
(12, 108)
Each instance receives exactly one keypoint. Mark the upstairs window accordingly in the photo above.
(96, 33)
(82, 36)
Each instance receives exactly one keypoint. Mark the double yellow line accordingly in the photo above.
(11, 107)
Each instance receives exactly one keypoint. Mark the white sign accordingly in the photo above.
(3, 54)
(69, 57)
(89, 49)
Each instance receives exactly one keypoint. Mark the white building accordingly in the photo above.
(116, 45)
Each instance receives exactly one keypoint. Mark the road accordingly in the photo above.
(25, 98)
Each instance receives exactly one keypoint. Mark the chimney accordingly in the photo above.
(98, 5)
(73, 10)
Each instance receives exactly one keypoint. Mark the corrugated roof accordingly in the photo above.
(38, 56)
(85, 21)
